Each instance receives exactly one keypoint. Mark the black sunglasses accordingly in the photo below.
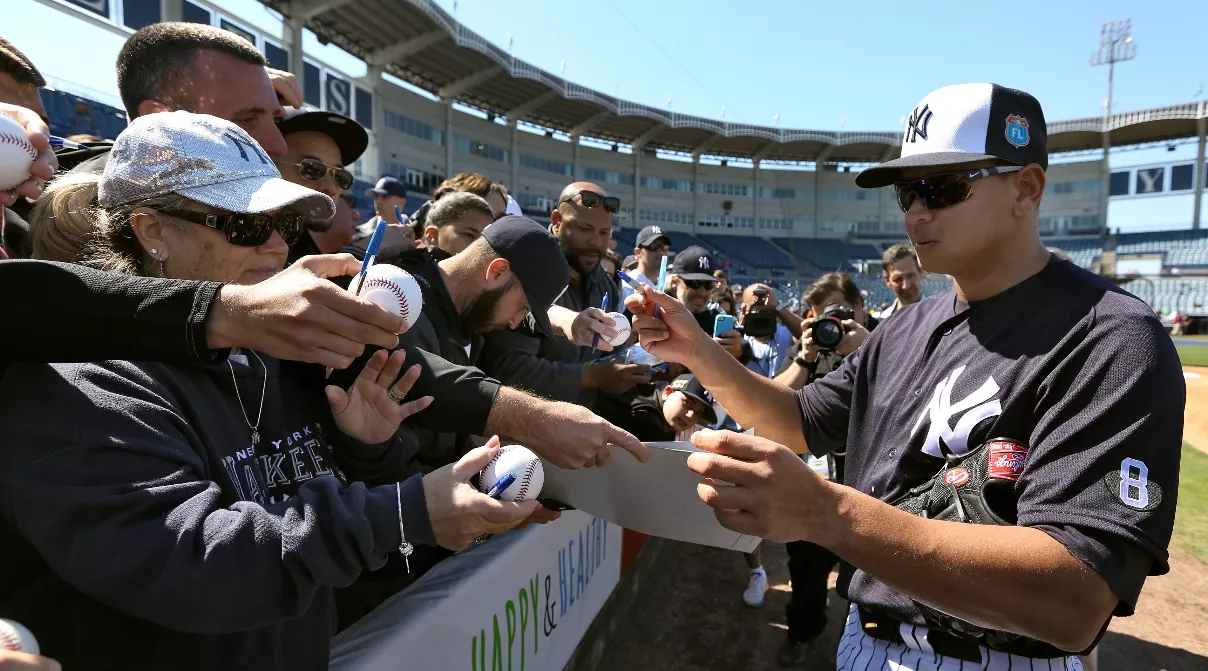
(658, 247)
(592, 199)
(313, 170)
(945, 190)
(246, 230)
(700, 284)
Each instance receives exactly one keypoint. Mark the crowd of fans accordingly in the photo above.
(184, 485)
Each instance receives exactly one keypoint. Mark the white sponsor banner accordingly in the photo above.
(521, 601)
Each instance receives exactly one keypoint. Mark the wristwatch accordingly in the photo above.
(811, 366)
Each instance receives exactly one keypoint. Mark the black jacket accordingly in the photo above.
(550, 367)
(142, 529)
(16, 240)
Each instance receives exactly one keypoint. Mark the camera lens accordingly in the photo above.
(827, 332)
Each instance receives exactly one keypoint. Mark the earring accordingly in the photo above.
(161, 269)
(154, 252)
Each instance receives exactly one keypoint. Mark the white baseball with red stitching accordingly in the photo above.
(16, 154)
(622, 327)
(15, 637)
(395, 290)
(523, 465)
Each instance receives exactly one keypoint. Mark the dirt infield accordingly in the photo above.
(1195, 416)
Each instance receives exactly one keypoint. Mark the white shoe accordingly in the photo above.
(758, 586)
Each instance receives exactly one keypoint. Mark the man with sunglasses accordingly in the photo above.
(692, 283)
(652, 245)
(317, 146)
(1035, 398)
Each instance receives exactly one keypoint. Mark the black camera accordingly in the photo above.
(828, 329)
(760, 323)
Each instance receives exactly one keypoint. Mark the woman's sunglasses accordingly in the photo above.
(945, 190)
(246, 230)
(313, 170)
(592, 199)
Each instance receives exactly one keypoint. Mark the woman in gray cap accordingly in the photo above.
(196, 516)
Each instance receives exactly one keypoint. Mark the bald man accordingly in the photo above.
(554, 367)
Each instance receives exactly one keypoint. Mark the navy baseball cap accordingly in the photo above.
(694, 263)
(348, 135)
(648, 235)
(692, 388)
(537, 260)
(967, 123)
(388, 186)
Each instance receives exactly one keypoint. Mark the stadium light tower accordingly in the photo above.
(1115, 46)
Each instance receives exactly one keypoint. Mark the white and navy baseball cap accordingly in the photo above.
(963, 124)
(202, 158)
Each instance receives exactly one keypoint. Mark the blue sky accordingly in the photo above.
(824, 65)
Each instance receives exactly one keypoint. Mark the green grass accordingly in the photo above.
(1191, 520)
(1193, 355)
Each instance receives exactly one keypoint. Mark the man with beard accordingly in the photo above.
(553, 366)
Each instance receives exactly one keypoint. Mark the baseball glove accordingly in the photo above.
(977, 487)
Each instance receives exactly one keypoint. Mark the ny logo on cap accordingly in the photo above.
(703, 262)
(656, 230)
(918, 123)
(241, 142)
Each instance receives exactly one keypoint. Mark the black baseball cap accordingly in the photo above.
(388, 186)
(349, 136)
(692, 388)
(648, 235)
(694, 263)
(536, 259)
(967, 123)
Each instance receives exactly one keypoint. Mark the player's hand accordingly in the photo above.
(615, 377)
(809, 349)
(571, 436)
(298, 315)
(285, 84)
(731, 341)
(774, 494)
(854, 335)
(581, 328)
(675, 336)
(43, 167)
(20, 661)
(459, 513)
(366, 412)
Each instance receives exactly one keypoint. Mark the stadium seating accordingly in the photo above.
(829, 255)
(757, 252)
(1169, 293)
(70, 115)
(1082, 251)
(1181, 248)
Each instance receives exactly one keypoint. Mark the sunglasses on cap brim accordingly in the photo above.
(592, 199)
(246, 229)
(943, 191)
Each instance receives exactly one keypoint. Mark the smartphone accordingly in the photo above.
(723, 324)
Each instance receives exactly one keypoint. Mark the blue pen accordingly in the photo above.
(500, 486)
(595, 340)
(56, 141)
(375, 243)
(663, 275)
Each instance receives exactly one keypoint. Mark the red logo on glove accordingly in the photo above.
(1007, 459)
(956, 477)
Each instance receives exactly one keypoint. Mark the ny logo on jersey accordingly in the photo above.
(704, 262)
(977, 406)
(917, 126)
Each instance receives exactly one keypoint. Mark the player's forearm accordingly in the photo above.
(514, 415)
(1011, 578)
(751, 399)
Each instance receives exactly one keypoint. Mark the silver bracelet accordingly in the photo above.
(403, 546)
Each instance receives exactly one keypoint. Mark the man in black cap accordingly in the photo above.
(400, 236)
(1033, 412)
(687, 406)
(691, 281)
(652, 245)
(318, 144)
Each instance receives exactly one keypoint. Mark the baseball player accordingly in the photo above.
(1012, 444)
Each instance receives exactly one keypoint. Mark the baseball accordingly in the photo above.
(621, 324)
(392, 288)
(15, 637)
(16, 154)
(523, 465)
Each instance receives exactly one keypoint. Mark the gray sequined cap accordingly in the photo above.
(202, 158)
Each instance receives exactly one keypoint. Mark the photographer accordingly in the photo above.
(768, 330)
(833, 297)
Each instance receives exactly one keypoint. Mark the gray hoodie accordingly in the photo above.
(142, 530)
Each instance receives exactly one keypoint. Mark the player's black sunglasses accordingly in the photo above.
(313, 170)
(246, 230)
(592, 199)
(943, 191)
(700, 284)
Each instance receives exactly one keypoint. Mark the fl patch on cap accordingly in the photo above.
(963, 124)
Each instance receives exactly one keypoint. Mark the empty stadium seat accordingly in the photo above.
(1181, 248)
(829, 254)
(1170, 293)
(1082, 251)
(757, 252)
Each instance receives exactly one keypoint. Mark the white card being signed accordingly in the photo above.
(656, 498)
